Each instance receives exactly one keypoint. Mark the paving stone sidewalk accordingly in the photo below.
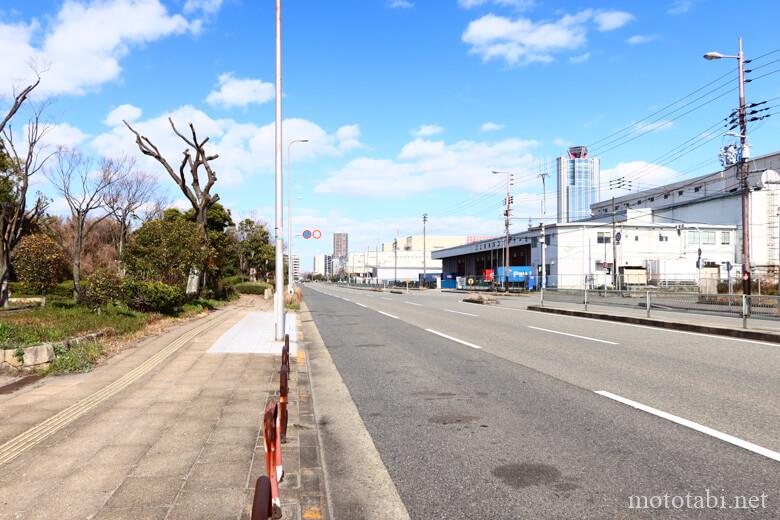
(183, 441)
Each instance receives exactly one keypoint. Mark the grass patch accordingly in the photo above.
(63, 319)
(81, 357)
(294, 306)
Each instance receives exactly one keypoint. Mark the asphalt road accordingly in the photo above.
(501, 418)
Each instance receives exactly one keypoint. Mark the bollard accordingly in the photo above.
(647, 303)
(541, 297)
(273, 454)
(283, 374)
(745, 311)
(262, 508)
(586, 299)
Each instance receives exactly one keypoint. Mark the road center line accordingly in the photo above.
(357, 303)
(412, 303)
(388, 315)
(456, 340)
(464, 313)
(572, 335)
(694, 426)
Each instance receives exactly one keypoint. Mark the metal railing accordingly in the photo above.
(762, 307)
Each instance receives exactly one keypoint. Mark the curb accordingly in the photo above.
(688, 327)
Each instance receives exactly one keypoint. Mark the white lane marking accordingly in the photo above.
(386, 298)
(572, 335)
(412, 303)
(464, 313)
(358, 303)
(694, 426)
(388, 315)
(456, 340)
(347, 300)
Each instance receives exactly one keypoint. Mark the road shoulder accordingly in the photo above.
(357, 482)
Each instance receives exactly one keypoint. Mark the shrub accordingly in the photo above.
(152, 296)
(38, 262)
(104, 287)
(80, 357)
(251, 288)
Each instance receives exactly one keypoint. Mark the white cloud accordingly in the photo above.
(582, 58)
(520, 5)
(427, 130)
(611, 20)
(238, 92)
(124, 112)
(207, 7)
(245, 149)
(524, 41)
(490, 127)
(401, 4)
(638, 39)
(680, 7)
(63, 135)
(641, 173)
(427, 165)
(83, 45)
(561, 143)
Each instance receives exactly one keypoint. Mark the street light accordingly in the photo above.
(741, 165)
(290, 278)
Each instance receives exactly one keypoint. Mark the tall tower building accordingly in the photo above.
(340, 245)
(578, 184)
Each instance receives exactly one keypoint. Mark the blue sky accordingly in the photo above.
(408, 105)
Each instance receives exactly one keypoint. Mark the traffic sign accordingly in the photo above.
(618, 236)
(316, 234)
(306, 234)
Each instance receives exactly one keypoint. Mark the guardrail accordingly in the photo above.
(734, 305)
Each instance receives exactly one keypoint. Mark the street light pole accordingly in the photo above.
(542, 237)
(395, 261)
(278, 230)
(741, 166)
(425, 270)
(290, 277)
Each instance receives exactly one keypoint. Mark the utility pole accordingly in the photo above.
(507, 215)
(742, 170)
(395, 262)
(425, 270)
(542, 239)
(619, 183)
(278, 230)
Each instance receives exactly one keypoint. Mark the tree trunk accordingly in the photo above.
(5, 272)
(77, 244)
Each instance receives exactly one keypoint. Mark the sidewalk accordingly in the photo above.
(167, 429)
(758, 329)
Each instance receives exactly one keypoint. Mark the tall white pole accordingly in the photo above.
(290, 273)
(278, 230)
(542, 238)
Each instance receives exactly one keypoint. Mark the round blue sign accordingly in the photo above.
(307, 234)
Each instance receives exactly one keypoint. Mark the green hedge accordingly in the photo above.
(21, 290)
(152, 296)
(251, 287)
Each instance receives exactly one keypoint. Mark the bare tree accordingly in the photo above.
(200, 197)
(85, 190)
(126, 197)
(18, 162)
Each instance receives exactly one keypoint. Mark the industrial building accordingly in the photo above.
(661, 230)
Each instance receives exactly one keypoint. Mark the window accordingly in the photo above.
(666, 196)
(603, 238)
(680, 193)
(697, 188)
(639, 201)
(652, 199)
(708, 238)
(693, 237)
(636, 238)
(663, 238)
(725, 238)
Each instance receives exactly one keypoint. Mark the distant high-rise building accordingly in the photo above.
(340, 245)
(578, 184)
(323, 265)
(296, 265)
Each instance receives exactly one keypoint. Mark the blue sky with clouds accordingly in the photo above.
(408, 104)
